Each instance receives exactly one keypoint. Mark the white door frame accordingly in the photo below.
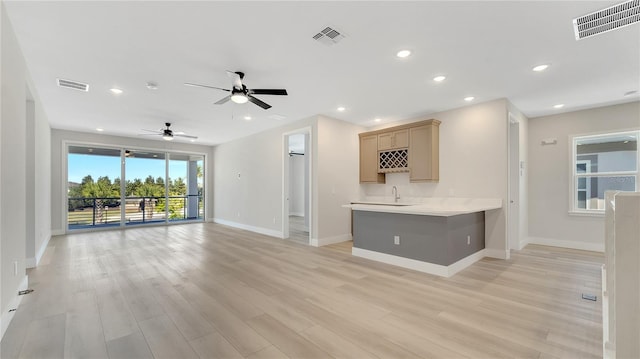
(513, 203)
(285, 179)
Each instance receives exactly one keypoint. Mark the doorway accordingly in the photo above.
(516, 173)
(296, 186)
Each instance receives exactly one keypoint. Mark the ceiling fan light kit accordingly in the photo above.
(239, 98)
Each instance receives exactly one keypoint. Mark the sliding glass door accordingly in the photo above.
(156, 187)
(93, 187)
(185, 187)
(145, 187)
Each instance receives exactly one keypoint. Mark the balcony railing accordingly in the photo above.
(106, 211)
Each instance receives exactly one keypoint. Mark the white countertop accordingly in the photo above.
(444, 207)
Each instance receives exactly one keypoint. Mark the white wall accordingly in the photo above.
(42, 185)
(296, 185)
(248, 174)
(13, 170)
(473, 164)
(337, 177)
(59, 175)
(254, 201)
(549, 174)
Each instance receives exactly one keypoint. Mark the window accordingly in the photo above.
(600, 163)
(117, 187)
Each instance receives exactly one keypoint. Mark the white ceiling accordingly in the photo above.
(486, 50)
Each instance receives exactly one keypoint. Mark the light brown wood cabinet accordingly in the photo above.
(419, 139)
(393, 140)
(424, 153)
(369, 159)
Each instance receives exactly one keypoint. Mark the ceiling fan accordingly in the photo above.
(167, 133)
(240, 93)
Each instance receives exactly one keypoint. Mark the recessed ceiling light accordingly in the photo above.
(152, 85)
(116, 91)
(630, 93)
(439, 78)
(469, 98)
(403, 53)
(248, 118)
(193, 140)
(341, 109)
(560, 105)
(540, 68)
(377, 120)
(99, 129)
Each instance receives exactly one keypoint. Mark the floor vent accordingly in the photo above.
(328, 36)
(611, 18)
(73, 85)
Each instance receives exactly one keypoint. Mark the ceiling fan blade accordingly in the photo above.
(205, 86)
(149, 134)
(281, 92)
(235, 79)
(187, 136)
(155, 131)
(223, 100)
(260, 103)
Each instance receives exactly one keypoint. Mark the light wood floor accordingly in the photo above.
(297, 230)
(209, 291)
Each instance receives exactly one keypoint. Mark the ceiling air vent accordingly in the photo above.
(608, 19)
(328, 36)
(73, 85)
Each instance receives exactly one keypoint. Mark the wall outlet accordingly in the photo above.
(396, 240)
(274, 220)
(15, 268)
(468, 240)
(238, 214)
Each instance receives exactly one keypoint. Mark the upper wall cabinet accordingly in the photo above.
(424, 153)
(369, 159)
(393, 140)
(412, 148)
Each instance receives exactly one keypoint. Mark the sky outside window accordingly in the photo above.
(97, 166)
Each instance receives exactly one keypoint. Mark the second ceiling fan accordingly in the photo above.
(240, 93)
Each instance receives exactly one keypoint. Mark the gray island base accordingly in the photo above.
(440, 245)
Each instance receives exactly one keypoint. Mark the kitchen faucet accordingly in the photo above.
(396, 196)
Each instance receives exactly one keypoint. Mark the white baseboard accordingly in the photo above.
(297, 214)
(57, 232)
(261, 230)
(497, 253)
(210, 220)
(319, 242)
(33, 261)
(6, 317)
(585, 246)
(523, 242)
(420, 266)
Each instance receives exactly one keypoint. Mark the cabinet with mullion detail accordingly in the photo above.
(412, 148)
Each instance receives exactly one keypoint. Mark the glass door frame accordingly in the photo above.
(122, 148)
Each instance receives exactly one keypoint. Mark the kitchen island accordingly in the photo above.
(440, 236)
